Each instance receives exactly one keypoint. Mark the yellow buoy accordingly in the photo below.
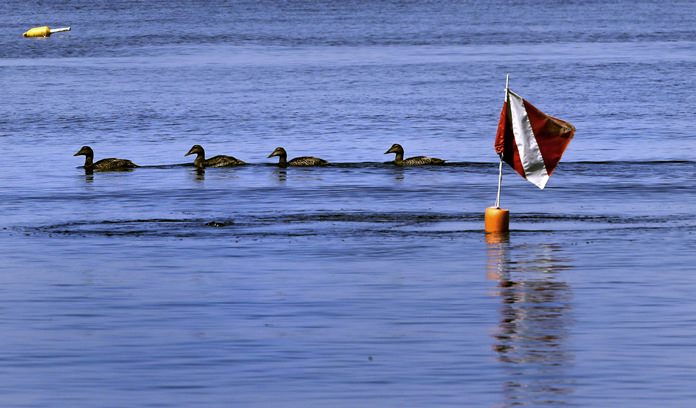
(497, 220)
(42, 32)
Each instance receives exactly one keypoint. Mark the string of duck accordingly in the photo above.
(200, 162)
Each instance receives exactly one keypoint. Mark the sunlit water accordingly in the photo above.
(357, 284)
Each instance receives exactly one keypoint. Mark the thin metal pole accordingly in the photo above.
(59, 30)
(500, 182)
(500, 167)
(507, 86)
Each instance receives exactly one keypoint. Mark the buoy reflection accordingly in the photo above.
(535, 318)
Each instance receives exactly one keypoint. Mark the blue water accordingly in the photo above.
(357, 284)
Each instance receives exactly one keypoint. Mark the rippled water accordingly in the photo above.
(357, 284)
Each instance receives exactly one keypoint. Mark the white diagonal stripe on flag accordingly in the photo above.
(530, 155)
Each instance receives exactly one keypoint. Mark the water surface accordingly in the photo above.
(357, 284)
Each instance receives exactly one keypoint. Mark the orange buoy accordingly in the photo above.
(42, 32)
(497, 220)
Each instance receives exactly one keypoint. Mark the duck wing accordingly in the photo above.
(223, 161)
(422, 161)
(113, 164)
(307, 161)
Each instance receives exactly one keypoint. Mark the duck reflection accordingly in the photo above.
(398, 173)
(281, 173)
(199, 174)
(530, 340)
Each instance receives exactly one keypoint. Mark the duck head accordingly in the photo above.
(85, 151)
(279, 151)
(396, 148)
(89, 156)
(195, 149)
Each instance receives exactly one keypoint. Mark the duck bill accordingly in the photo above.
(274, 154)
(190, 152)
(389, 151)
(79, 153)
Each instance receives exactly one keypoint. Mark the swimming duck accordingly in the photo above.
(412, 161)
(297, 161)
(218, 161)
(109, 164)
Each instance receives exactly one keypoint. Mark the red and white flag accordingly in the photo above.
(530, 141)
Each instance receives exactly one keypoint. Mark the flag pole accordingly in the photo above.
(496, 219)
(500, 166)
(500, 182)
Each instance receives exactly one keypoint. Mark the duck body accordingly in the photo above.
(109, 164)
(217, 161)
(419, 161)
(223, 161)
(412, 161)
(304, 161)
(307, 161)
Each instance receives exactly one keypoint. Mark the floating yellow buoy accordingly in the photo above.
(497, 220)
(44, 31)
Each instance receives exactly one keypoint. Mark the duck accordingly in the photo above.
(217, 161)
(110, 164)
(304, 161)
(412, 161)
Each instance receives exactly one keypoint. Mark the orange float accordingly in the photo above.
(497, 220)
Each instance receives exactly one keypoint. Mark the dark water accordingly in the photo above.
(357, 284)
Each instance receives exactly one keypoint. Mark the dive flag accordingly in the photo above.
(529, 140)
